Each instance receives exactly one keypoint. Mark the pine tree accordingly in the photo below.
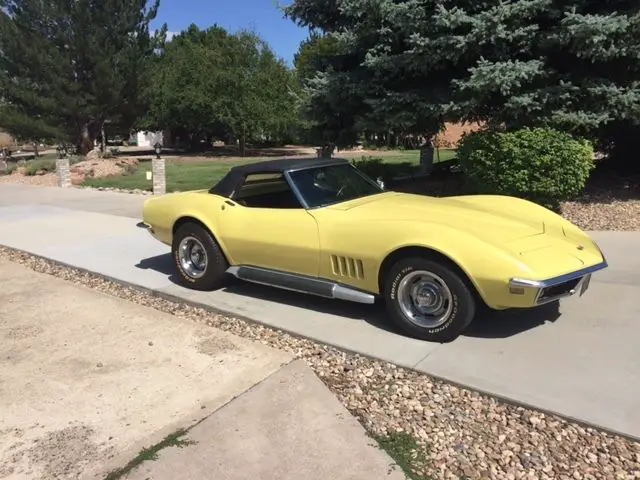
(67, 67)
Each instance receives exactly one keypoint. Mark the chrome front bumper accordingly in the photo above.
(558, 287)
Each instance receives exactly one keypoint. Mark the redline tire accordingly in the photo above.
(212, 276)
(457, 294)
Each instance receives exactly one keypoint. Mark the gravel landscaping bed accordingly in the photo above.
(438, 430)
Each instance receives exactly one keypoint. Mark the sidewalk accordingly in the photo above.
(288, 427)
(88, 380)
(571, 361)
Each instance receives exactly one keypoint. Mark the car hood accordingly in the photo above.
(495, 219)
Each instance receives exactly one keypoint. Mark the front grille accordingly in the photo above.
(557, 291)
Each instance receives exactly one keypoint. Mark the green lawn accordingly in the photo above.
(413, 156)
(182, 176)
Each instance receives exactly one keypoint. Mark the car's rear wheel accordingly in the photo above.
(200, 261)
(428, 299)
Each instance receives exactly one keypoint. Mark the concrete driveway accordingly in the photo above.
(88, 380)
(579, 359)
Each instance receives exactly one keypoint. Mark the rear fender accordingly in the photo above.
(168, 212)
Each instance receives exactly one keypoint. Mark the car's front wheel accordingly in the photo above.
(428, 299)
(200, 261)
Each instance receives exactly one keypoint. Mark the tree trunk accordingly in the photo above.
(242, 144)
(103, 139)
(327, 150)
(243, 141)
(35, 148)
(86, 140)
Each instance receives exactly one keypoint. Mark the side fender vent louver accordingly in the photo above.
(347, 267)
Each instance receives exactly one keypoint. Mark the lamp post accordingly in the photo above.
(62, 150)
(62, 166)
(158, 172)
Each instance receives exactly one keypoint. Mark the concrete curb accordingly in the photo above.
(177, 299)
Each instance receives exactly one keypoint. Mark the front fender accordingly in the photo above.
(487, 266)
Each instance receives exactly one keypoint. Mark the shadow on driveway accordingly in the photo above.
(488, 324)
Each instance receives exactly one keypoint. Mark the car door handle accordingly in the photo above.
(229, 202)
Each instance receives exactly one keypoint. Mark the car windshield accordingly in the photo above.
(322, 186)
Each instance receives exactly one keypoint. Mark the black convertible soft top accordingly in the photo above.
(227, 184)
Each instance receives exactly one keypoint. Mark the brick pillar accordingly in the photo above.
(64, 173)
(159, 179)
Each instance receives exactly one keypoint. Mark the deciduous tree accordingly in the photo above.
(213, 83)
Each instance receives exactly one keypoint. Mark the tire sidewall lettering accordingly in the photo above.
(181, 270)
(451, 319)
(394, 285)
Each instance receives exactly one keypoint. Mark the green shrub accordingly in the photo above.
(34, 166)
(542, 165)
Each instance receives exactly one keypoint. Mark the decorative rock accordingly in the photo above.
(94, 154)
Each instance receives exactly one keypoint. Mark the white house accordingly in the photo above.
(148, 139)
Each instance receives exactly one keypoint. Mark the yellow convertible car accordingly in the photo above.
(322, 227)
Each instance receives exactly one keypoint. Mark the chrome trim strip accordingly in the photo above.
(522, 282)
(340, 292)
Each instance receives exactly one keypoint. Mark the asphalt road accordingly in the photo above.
(580, 359)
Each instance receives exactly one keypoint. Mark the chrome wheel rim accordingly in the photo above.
(425, 299)
(193, 257)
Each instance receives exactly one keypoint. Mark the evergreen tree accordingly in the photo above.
(67, 67)
(572, 64)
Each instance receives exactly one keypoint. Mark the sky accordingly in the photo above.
(261, 16)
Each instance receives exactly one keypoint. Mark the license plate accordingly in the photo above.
(585, 284)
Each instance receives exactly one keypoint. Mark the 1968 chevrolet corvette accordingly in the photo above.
(322, 227)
